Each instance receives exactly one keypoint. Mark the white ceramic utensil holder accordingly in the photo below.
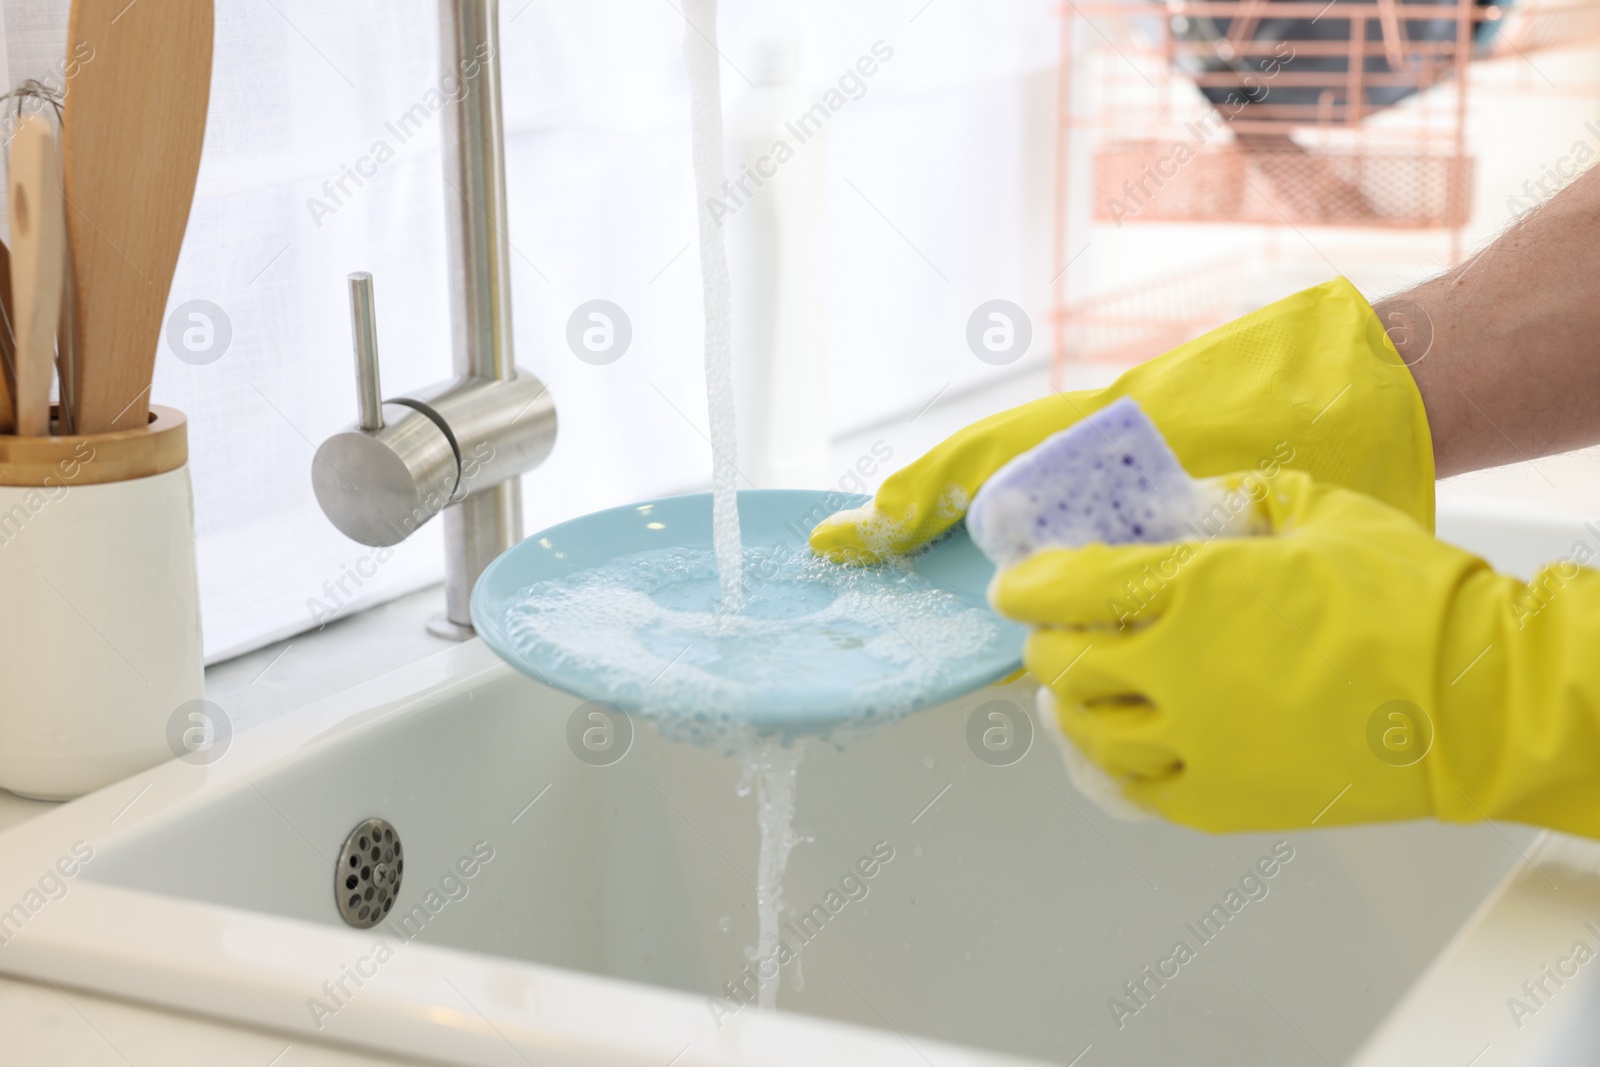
(99, 605)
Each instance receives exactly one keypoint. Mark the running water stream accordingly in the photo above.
(705, 119)
(772, 763)
(772, 766)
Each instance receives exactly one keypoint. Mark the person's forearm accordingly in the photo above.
(1505, 348)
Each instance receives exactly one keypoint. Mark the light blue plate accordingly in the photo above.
(824, 680)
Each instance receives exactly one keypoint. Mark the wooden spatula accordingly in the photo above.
(38, 260)
(134, 122)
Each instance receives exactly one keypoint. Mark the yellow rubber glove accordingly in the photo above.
(1346, 668)
(1310, 382)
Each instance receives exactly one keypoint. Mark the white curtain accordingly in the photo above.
(936, 190)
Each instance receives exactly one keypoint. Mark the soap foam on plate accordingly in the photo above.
(811, 639)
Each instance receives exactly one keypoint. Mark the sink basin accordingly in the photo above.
(559, 908)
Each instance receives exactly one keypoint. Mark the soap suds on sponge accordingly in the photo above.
(1110, 478)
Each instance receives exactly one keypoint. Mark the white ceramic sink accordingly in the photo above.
(618, 898)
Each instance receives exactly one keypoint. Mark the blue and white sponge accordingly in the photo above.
(1110, 478)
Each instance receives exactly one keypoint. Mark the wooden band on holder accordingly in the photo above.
(95, 459)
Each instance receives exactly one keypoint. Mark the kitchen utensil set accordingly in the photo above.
(98, 214)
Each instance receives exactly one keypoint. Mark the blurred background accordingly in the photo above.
(976, 204)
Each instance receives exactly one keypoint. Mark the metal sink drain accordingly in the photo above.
(367, 880)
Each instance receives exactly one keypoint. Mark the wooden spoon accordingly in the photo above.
(134, 123)
(38, 250)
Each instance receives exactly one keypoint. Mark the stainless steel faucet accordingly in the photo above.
(459, 446)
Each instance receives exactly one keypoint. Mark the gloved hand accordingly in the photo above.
(1311, 382)
(1346, 668)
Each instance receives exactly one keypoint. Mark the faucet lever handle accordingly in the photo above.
(364, 337)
